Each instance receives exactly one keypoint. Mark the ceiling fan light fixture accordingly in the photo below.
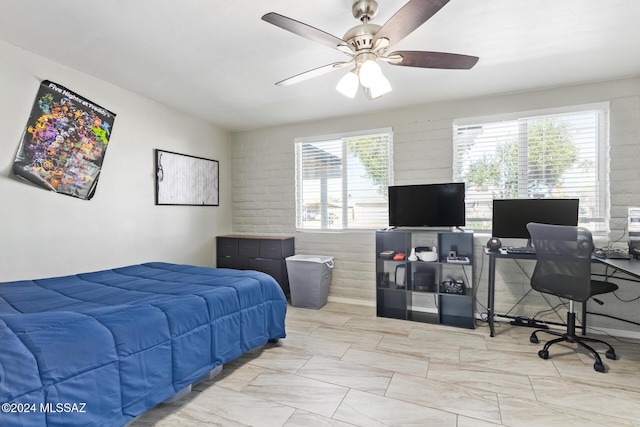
(381, 87)
(370, 73)
(348, 84)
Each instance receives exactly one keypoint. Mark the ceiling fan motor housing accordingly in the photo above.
(361, 36)
(364, 10)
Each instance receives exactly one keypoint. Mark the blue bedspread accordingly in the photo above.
(99, 349)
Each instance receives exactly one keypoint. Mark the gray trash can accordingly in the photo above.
(309, 279)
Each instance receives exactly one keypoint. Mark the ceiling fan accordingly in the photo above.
(367, 43)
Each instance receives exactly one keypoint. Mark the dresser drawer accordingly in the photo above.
(273, 267)
(271, 248)
(249, 248)
(239, 263)
(227, 246)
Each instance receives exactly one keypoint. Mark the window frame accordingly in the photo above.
(601, 152)
(343, 137)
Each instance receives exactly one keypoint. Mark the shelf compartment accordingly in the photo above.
(457, 310)
(421, 316)
(392, 303)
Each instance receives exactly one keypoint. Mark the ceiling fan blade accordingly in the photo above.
(408, 19)
(312, 73)
(449, 61)
(306, 31)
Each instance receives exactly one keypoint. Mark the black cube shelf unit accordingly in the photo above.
(262, 253)
(417, 290)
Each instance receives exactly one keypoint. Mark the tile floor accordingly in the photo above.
(343, 366)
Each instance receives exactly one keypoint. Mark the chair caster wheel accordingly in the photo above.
(273, 341)
(599, 367)
(544, 354)
(610, 355)
(533, 339)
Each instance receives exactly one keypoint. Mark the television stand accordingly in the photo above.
(439, 291)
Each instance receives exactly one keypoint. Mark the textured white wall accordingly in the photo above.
(264, 182)
(44, 234)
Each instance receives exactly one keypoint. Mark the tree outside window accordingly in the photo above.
(550, 156)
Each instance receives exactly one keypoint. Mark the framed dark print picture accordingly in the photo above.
(186, 180)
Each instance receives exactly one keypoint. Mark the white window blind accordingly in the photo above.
(342, 182)
(559, 155)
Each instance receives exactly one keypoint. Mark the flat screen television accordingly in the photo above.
(511, 216)
(427, 205)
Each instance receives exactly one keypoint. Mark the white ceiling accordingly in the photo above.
(219, 61)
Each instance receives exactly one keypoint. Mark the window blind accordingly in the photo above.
(342, 182)
(559, 155)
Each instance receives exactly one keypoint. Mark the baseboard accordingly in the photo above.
(616, 333)
(353, 301)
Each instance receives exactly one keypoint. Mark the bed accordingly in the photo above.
(100, 348)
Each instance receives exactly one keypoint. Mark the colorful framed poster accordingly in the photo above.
(186, 180)
(64, 142)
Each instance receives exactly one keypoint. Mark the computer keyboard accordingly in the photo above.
(611, 253)
(526, 250)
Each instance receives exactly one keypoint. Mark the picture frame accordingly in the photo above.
(185, 180)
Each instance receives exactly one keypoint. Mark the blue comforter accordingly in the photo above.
(99, 349)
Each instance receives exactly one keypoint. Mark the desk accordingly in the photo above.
(630, 267)
(626, 266)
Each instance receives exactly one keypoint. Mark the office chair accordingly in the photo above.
(563, 268)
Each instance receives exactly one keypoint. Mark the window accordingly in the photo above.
(342, 181)
(553, 155)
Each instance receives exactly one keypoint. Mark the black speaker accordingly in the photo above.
(494, 244)
(424, 281)
(383, 279)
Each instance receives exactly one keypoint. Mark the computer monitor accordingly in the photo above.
(511, 216)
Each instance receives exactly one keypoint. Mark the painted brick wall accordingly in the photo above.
(263, 173)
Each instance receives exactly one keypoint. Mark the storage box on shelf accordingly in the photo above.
(439, 291)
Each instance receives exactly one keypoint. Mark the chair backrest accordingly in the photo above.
(563, 260)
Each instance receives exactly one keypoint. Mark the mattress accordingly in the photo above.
(100, 348)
